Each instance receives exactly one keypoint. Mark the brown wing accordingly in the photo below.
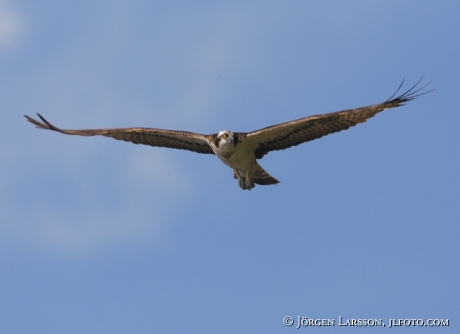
(154, 137)
(285, 135)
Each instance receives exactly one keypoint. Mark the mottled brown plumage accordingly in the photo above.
(181, 140)
(285, 135)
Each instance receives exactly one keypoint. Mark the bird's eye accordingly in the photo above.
(225, 136)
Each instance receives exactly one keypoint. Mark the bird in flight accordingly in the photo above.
(240, 150)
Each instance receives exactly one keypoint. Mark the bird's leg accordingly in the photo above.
(241, 181)
(249, 183)
(244, 180)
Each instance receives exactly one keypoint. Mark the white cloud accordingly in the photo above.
(76, 202)
(154, 169)
(11, 25)
(66, 235)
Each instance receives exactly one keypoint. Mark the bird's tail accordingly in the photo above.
(260, 176)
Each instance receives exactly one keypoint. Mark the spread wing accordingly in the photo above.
(182, 140)
(285, 135)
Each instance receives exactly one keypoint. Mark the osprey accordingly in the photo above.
(240, 150)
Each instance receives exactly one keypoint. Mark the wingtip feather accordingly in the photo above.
(411, 94)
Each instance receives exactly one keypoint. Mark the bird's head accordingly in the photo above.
(225, 138)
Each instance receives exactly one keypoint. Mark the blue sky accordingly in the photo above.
(101, 236)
